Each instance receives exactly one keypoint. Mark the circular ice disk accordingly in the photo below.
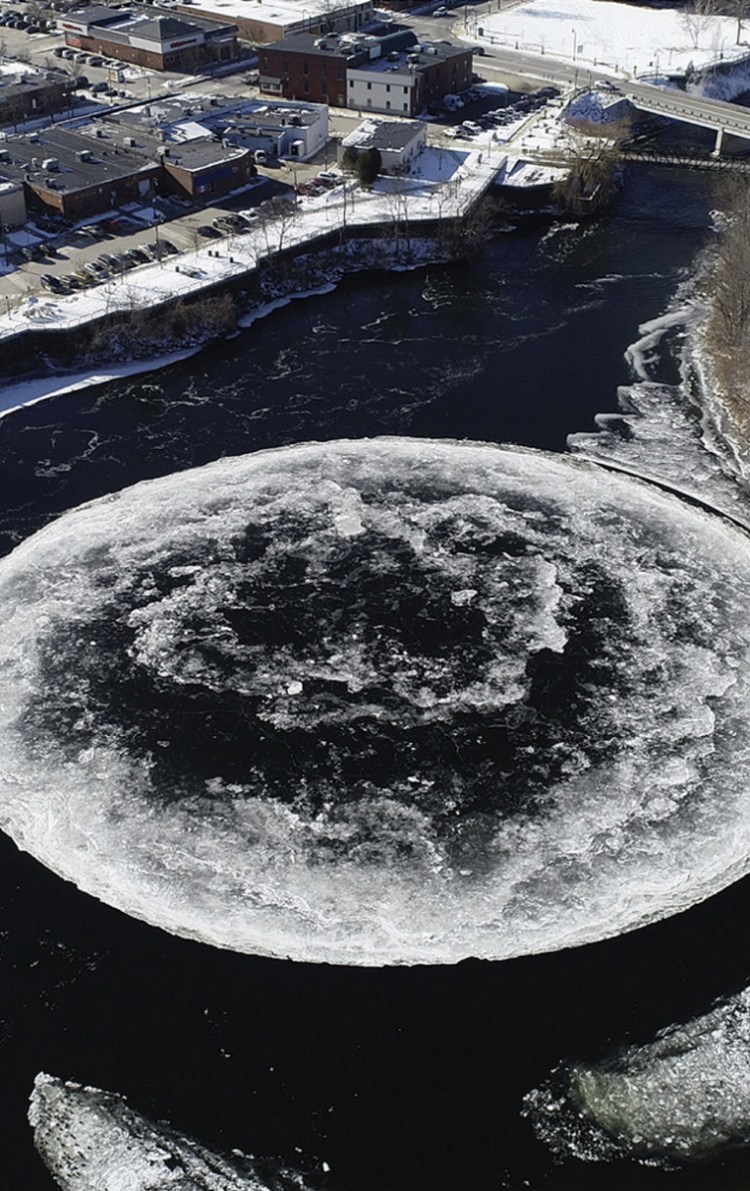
(389, 701)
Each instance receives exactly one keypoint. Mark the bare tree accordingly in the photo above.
(697, 19)
(398, 208)
(279, 215)
(594, 165)
(728, 325)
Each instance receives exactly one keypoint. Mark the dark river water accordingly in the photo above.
(397, 1079)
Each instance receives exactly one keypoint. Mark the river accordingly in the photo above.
(398, 1079)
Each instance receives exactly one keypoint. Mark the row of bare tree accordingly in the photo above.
(728, 297)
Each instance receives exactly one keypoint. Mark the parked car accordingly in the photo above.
(137, 255)
(98, 88)
(52, 283)
(210, 233)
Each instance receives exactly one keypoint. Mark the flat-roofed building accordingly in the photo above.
(404, 82)
(151, 37)
(12, 204)
(64, 171)
(264, 21)
(27, 92)
(281, 129)
(205, 170)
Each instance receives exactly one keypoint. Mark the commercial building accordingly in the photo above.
(63, 171)
(26, 92)
(405, 82)
(229, 126)
(263, 21)
(305, 66)
(389, 73)
(151, 37)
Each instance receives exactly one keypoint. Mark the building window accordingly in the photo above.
(305, 85)
(340, 72)
(306, 66)
(351, 83)
(388, 86)
(324, 87)
(369, 86)
(286, 66)
(406, 90)
(387, 103)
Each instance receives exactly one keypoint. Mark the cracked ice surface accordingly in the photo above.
(90, 1140)
(389, 701)
(675, 1099)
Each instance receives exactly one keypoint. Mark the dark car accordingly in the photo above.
(52, 283)
(209, 232)
(136, 254)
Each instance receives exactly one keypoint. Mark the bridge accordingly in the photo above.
(715, 114)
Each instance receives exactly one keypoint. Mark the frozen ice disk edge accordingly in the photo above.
(405, 701)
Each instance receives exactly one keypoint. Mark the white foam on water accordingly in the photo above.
(635, 810)
(674, 1100)
(90, 1140)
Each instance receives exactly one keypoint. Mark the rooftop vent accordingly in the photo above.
(84, 155)
(50, 163)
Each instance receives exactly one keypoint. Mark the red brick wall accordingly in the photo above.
(317, 78)
(444, 78)
(95, 200)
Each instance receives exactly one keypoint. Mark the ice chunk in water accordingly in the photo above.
(90, 1140)
(677, 1098)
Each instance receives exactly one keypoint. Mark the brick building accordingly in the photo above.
(392, 73)
(65, 172)
(150, 37)
(264, 21)
(305, 66)
(205, 170)
(26, 92)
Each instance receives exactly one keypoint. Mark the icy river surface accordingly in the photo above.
(391, 701)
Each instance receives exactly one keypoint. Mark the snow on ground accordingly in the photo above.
(28, 392)
(448, 182)
(621, 38)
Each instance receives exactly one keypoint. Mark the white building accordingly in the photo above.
(397, 141)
